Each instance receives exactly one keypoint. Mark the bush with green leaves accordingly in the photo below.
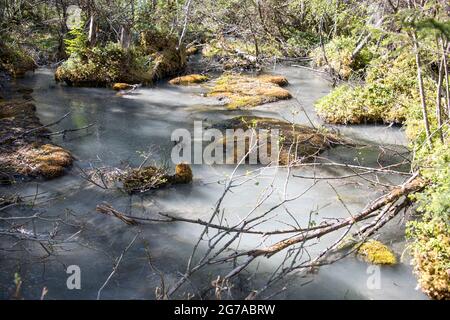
(339, 55)
(390, 95)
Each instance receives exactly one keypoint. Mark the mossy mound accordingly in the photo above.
(14, 60)
(157, 57)
(103, 66)
(25, 151)
(245, 91)
(189, 79)
(122, 86)
(48, 161)
(375, 252)
(150, 177)
(296, 143)
(389, 95)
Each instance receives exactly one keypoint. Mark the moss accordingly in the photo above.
(102, 66)
(189, 79)
(297, 142)
(183, 174)
(278, 80)
(389, 95)
(375, 252)
(121, 86)
(431, 256)
(245, 91)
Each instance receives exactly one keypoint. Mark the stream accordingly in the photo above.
(127, 126)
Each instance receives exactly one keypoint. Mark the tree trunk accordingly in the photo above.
(439, 100)
(125, 37)
(92, 37)
(421, 89)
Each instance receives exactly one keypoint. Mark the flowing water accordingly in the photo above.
(127, 126)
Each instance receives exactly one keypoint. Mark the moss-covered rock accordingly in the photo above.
(375, 252)
(189, 79)
(296, 143)
(122, 86)
(241, 91)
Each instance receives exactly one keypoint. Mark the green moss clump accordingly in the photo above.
(390, 95)
(102, 66)
(375, 252)
(156, 57)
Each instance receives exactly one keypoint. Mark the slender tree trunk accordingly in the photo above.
(92, 36)
(439, 99)
(445, 48)
(421, 89)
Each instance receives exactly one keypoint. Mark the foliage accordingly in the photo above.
(390, 94)
(76, 43)
(102, 66)
(339, 56)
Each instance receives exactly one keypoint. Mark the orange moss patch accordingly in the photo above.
(46, 160)
(183, 174)
(121, 86)
(191, 50)
(245, 91)
(189, 79)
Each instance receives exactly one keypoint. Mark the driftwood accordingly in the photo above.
(107, 209)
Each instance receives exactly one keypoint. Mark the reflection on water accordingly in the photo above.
(145, 119)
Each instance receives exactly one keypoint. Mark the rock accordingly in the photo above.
(189, 79)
